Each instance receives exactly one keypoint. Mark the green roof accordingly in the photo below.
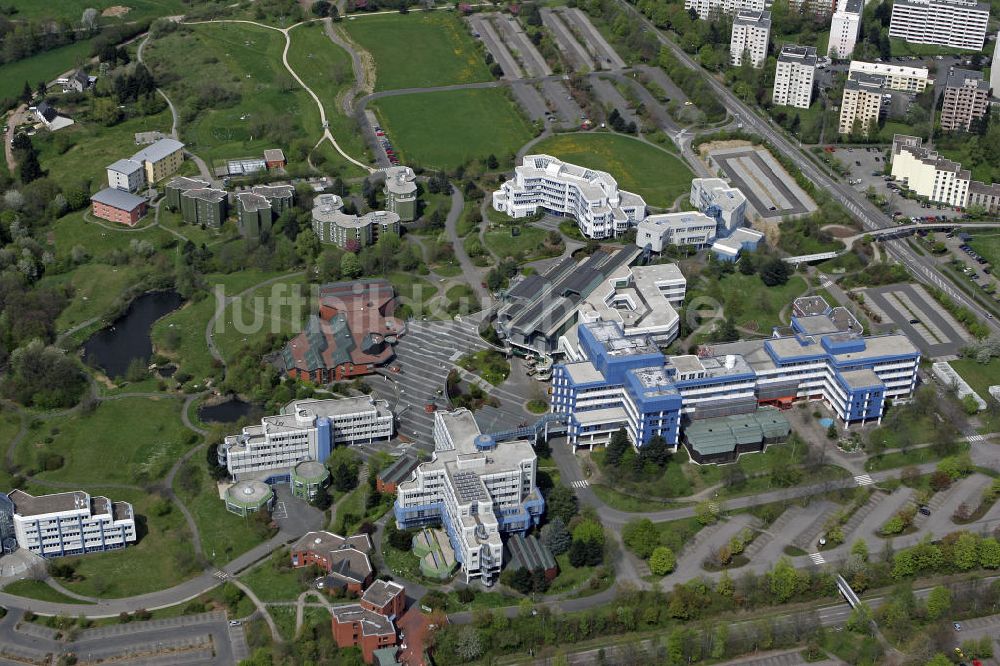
(724, 434)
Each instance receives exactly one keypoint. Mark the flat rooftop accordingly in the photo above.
(26, 504)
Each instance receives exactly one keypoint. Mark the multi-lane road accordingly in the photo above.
(870, 217)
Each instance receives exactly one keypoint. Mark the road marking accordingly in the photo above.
(817, 558)
(976, 438)
(280, 512)
(580, 484)
(220, 574)
(864, 480)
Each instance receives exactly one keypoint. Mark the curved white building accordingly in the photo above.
(592, 197)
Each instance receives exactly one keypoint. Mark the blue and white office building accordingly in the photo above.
(70, 523)
(476, 488)
(612, 381)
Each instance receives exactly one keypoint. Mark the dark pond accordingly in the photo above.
(113, 348)
(233, 409)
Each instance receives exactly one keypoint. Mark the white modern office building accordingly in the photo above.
(128, 175)
(708, 8)
(897, 77)
(845, 24)
(592, 197)
(751, 32)
(957, 24)
(794, 75)
(476, 487)
(643, 300)
(71, 523)
(306, 430)
(683, 228)
(717, 199)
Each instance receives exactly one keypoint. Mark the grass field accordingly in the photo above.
(752, 304)
(650, 172)
(162, 558)
(74, 229)
(426, 49)
(42, 67)
(988, 245)
(900, 47)
(326, 68)
(270, 583)
(446, 129)
(979, 376)
(503, 244)
(36, 589)
(267, 310)
(266, 107)
(130, 440)
(96, 288)
(72, 10)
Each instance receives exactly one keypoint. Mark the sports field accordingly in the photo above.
(442, 130)
(650, 172)
(426, 49)
(235, 97)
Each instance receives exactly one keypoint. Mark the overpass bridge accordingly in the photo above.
(890, 233)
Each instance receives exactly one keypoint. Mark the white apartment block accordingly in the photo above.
(476, 488)
(995, 71)
(71, 523)
(643, 300)
(793, 77)
(307, 430)
(127, 175)
(709, 8)
(966, 100)
(751, 32)
(845, 24)
(592, 197)
(717, 199)
(863, 102)
(684, 228)
(897, 77)
(928, 174)
(957, 24)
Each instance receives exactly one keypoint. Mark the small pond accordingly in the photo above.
(231, 410)
(112, 349)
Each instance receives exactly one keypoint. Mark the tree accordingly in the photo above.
(774, 272)
(860, 548)
(29, 170)
(350, 266)
(641, 537)
(860, 620)
(616, 448)
(562, 504)
(321, 8)
(26, 92)
(344, 478)
(662, 561)
(492, 163)
(966, 551)
(89, 19)
(556, 537)
(469, 646)
(989, 553)
(589, 531)
(938, 602)
(784, 580)
(706, 513)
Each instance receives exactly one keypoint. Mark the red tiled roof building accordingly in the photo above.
(344, 559)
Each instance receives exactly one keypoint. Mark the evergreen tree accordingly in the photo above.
(616, 448)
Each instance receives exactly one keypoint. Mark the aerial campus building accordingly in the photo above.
(592, 197)
(71, 523)
(352, 334)
(611, 381)
(306, 430)
(684, 228)
(333, 225)
(725, 204)
(476, 486)
(198, 202)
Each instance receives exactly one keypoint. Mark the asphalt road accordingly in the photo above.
(869, 216)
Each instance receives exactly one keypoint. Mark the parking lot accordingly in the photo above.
(911, 309)
(770, 189)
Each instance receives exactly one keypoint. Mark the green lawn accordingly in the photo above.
(988, 245)
(36, 589)
(753, 305)
(446, 129)
(425, 49)
(272, 584)
(180, 336)
(980, 376)
(83, 150)
(10, 423)
(900, 47)
(249, 104)
(224, 535)
(96, 289)
(74, 229)
(42, 67)
(656, 175)
(195, 233)
(162, 558)
(326, 68)
(270, 309)
(72, 10)
(130, 440)
(503, 243)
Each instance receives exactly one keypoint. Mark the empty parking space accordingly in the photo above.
(518, 43)
(482, 28)
(577, 56)
(910, 308)
(568, 111)
(529, 100)
(770, 189)
(605, 56)
(608, 95)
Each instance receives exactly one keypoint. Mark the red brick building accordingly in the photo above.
(370, 625)
(118, 206)
(400, 470)
(345, 560)
(274, 158)
(351, 336)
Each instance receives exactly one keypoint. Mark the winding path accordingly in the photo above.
(327, 135)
